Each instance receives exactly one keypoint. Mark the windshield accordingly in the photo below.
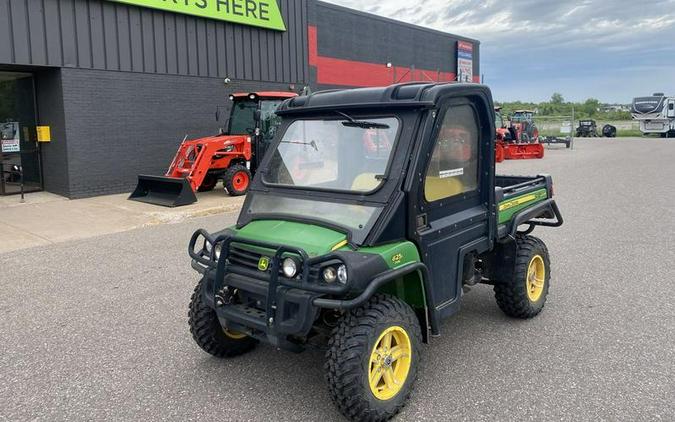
(242, 120)
(499, 121)
(644, 105)
(358, 218)
(521, 116)
(345, 155)
(269, 121)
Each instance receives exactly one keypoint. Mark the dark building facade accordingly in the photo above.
(120, 85)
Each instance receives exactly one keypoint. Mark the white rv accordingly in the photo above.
(656, 114)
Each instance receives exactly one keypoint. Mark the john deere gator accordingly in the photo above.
(372, 212)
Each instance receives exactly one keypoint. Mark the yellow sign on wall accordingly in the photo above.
(260, 13)
(44, 134)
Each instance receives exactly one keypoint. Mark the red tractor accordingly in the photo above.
(231, 156)
(524, 127)
(519, 140)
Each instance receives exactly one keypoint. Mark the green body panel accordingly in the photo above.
(509, 207)
(395, 254)
(408, 288)
(315, 240)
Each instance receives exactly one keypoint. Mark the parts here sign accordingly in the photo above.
(260, 13)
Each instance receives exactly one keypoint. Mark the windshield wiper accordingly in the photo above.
(311, 144)
(363, 124)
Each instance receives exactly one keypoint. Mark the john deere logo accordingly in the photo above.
(396, 259)
(264, 263)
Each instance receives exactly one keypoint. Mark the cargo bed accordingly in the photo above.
(525, 200)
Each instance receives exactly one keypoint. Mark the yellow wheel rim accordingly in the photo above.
(536, 276)
(389, 363)
(236, 335)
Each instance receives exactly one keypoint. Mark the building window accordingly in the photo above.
(453, 169)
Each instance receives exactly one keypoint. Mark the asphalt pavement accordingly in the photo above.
(96, 329)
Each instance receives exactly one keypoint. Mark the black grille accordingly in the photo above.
(243, 257)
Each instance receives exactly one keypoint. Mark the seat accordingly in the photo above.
(365, 182)
(436, 188)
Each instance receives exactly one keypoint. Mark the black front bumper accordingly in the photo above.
(291, 315)
(261, 304)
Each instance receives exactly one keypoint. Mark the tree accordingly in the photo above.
(590, 107)
(557, 98)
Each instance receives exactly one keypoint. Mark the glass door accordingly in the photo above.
(19, 150)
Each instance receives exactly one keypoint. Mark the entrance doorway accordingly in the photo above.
(19, 152)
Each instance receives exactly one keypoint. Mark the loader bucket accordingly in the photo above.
(164, 191)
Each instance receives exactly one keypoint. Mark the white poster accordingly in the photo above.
(464, 61)
(10, 137)
(566, 127)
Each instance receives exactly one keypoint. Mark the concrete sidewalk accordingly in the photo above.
(45, 218)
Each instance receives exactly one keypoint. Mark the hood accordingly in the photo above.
(315, 240)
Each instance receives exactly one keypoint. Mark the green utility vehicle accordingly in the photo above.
(374, 210)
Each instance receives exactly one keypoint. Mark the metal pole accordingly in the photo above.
(572, 129)
(21, 180)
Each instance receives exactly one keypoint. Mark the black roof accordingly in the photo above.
(407, 95)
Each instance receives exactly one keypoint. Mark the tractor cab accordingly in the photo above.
(253, 114)
(523, 127)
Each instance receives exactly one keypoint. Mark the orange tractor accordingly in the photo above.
(519, 140)
(231, 156)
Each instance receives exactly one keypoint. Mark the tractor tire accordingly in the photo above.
(208, 184)
(237, 180)
(209, 334)
(369, 376)
(525, 294)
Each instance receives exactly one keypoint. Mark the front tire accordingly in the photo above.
(525, 294)
(208, 184)
(372, 359)
(207, 332)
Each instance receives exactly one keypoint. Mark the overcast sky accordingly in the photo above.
(611, 50)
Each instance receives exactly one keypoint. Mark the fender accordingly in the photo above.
(380, 281)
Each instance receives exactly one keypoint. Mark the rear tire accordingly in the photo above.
(208, 184)
(524, 296)
(372, 359)
(209, 334)
(237, 180)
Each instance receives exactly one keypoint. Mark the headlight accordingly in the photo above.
(217, 249)
(342, 274)
(229, 148)
(289, 267)
(329, 275)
